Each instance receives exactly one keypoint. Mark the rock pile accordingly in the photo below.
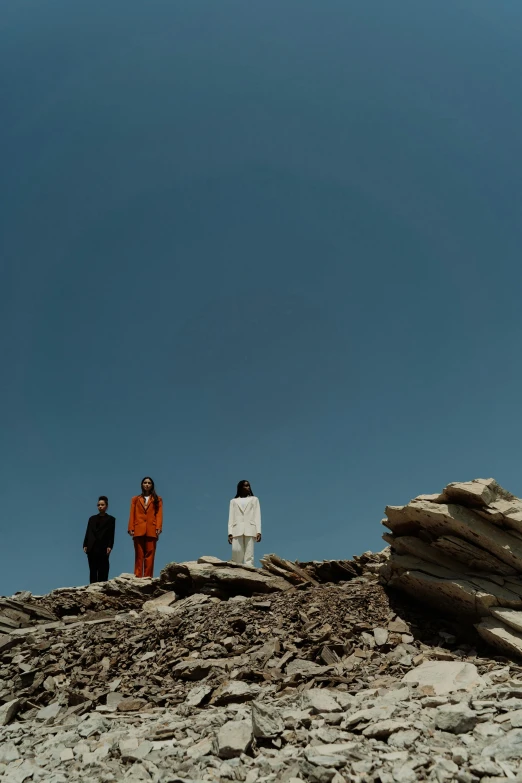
(327, 682)
(317, 572)
(461, 551)
(294, 672)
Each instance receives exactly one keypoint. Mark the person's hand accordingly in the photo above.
(258, 537)
(131, 533)
(230, 539)
(158, 533)
(109, 550)
(85, 549)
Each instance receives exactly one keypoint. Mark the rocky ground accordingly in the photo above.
(230, 677)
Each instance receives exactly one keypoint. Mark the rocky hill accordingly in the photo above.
(343, 671)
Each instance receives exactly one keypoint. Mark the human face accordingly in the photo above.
(102, 507)
(147, 486)
(245, 490)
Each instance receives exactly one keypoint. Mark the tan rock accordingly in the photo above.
(508, 616)
(479, 492)
(232, 580)
(444, 676)
(131, 705)
(8, 711)
(164, 600)
(474, 557)
(380, 636)
(448, 592)
(443, 519)
(496, 633)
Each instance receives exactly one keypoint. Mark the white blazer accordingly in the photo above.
(244, 522)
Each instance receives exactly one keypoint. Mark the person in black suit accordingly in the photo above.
(99, 541)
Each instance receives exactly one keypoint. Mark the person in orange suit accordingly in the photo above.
(145, 525)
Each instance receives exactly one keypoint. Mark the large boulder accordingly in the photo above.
(461, 552)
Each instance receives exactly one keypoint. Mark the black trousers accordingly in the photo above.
(98, 566)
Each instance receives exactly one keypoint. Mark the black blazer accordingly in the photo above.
(100, 533)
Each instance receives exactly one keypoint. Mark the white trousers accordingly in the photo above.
(243, 550)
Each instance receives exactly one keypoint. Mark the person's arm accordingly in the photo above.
(86, 536)
(230, 521)
(159, 517)
(132, 520)
(258, 520)
(110, 537)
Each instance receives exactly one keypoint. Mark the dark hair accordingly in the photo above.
(152, 492)
(242, 483)
(105, 498)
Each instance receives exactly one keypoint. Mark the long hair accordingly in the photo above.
(240, 484)
(155, 498)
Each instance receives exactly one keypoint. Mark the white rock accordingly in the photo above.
(234, 738)
(346, 700)
(320, 760)
(404, 739)
(210, 560)
(371, 714)
(488, 729)
(160, 604)
(266, 720)
(49, 713)
(404, 773)
(319, 700)
(459, 755)
(444, 676)
(511, 617)
(235, 691)
(8, 711)
(306, 668)
(197, 695)
(8, 752)
(455, 718)
(380, 635)
(200, 749)
(94, 724)
(485, 767)
(127, 745)
(143, 750)
(383, 728)
(498, 634)
(113, 699)
(507, 747)
(22, 773)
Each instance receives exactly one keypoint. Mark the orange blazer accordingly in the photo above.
(143, 520)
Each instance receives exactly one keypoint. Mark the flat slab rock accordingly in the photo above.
(499, 635)
(160, 603)
(235, 691)
(233, 580)
(320, 700)
(508, 616)
(444, 676)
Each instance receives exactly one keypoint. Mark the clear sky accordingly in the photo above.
(275, 240)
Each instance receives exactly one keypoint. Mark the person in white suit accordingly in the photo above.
(244, 524)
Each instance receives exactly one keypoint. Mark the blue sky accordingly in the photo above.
(273, 240)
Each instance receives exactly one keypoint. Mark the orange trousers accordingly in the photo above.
(144, 551)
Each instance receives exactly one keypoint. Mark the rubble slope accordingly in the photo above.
(311, 680)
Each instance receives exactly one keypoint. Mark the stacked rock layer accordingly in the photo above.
(461, 551)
